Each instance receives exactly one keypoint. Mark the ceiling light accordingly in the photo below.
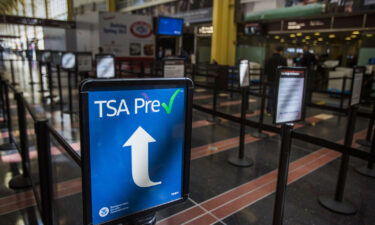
(355, 32)
(369, 35)
(353, 36)
(292, 35)
(303, 40)
(299, 34)
(320, 39)
(277, 37)
(282, 40)
(332, 36)
(307, 37)
(316, 33)
(348, 38)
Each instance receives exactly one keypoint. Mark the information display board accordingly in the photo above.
(357, 81)
(174, 68)
(105, 66)
(84, 61)
(68, 61)
(135, 139)
(290, 95)
(243, 72)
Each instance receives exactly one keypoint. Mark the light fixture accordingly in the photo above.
(353, 36)
(356, 32)
(277, 37)
(292, 35)
(282, 40)
(320, 39)
(299, 34)
(369, 35)
(316, 33)
(348, 38)
(303, 40)
(307, 37)
(332, 36)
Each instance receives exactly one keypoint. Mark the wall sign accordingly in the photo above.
(68, 61)
(290, 94)
(105, 66)
(135, 136)
(357, 82)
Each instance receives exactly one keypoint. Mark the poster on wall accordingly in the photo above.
(126, 35)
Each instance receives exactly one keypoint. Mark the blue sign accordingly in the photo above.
(136, 148)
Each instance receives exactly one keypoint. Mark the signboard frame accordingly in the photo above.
(303, 105)
(246, 81)
(363, 71)
(84, 54)
(75, 61)
(43, 58)
(171, 60)
(130, 84)
(102, 55)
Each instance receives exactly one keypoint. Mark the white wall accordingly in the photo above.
(54, 39)
(87, 32)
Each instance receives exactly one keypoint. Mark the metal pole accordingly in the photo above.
(22, 181)
(241, 160)
(342, 96)
(50, 83)
(369, 169)
(41, 81)
(70, 92)
(259, 133)
(12, 73)
(367, 142)
(337, 204)
(60, 90)
(45, 170)
(282, 176)
(9, 118)
(31, 72)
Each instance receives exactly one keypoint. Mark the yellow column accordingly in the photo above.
(111, 5)
(223, 45)
(46, 8)
(69, 4)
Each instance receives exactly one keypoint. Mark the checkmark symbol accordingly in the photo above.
(168, 108)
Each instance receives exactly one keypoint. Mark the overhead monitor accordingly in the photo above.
(135, 140)
(170, 26)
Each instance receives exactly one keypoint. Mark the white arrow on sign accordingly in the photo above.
(139, 144)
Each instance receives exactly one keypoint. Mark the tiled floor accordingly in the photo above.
(220, 192)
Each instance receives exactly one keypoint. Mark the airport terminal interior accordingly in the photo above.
(199, 112)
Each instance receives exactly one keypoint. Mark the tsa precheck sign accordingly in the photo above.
(136, 150)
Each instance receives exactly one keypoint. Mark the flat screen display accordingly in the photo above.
(170, 26)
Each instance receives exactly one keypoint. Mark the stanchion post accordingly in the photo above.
(342, 96)
(213, 119)
(58, 69)
(337, 204)
(50, 83)
(22, 181)
(369, 170)
(282, 176)
(8, 117)
(31, 72)
(41, 80)
(367, 142)
(259, 133)
(13, 76)
(45, 170)
(241, 160)
(70, 92)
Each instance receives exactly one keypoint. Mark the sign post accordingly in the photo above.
(135, 136)
(337, 204)
(105, 66)
(290, 99)
(68, 62)
(241, 160)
